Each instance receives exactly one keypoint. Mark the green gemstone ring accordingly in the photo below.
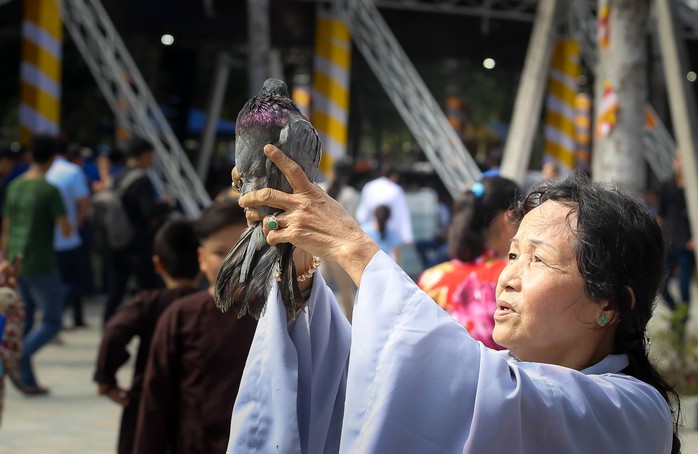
(273, 223)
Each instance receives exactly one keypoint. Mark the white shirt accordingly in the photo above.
(383, 191)
(411, 380)
(72, 184)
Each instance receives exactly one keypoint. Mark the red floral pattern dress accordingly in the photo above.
(11, 345)
(467, 292)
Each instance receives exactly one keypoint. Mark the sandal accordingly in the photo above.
(27, 390)
(34, 391)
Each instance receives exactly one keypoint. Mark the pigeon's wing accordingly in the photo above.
(304, 146)
(250, 163)
(300, 141)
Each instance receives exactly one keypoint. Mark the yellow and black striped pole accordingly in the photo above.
(40, 72)
(560, 145)
(582, 128)
(330, 94)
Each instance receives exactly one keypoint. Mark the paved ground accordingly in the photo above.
(73, 419)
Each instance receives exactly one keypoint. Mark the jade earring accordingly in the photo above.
(602, 319)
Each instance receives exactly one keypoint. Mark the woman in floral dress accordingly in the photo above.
(478, 242)
(11, 335)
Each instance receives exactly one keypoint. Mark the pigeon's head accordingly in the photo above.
(275, 87)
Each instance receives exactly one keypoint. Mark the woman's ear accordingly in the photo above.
(608, 314)
(609, 311)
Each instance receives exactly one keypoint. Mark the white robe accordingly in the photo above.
(418, 383)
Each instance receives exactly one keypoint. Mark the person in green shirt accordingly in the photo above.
(32, 208)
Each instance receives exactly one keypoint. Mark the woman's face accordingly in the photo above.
(543, 312)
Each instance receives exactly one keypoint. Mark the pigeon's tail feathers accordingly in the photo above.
(228, 279)
(259, 283)
(255, 242)
(246, 275)
(288, 286)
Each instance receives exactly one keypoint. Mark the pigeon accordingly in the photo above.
(247, 273)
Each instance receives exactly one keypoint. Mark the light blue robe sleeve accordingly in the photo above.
(418, 383)
(291, 396)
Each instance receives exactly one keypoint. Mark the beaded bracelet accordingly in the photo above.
(313, 268)
(308, 274)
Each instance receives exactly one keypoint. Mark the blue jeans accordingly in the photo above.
(45, 292)
(685, 261)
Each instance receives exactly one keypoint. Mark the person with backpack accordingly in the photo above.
(132, 256)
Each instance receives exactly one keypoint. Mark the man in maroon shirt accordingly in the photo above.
(197, 355)
(175, 260)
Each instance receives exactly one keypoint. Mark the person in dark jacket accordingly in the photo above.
(176, 262)
(680, 259)
(197, 355)
(146, 213)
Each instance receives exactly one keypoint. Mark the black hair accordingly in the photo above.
(218, 215)
(62, 143)
(176, 245)
(382, 214)
(136, 147)
(6, 152)
(43, 147)
(620, 251)
(342, 173)
(115, 156)
(473, 213)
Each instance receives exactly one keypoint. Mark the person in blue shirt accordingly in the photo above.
(71, 182)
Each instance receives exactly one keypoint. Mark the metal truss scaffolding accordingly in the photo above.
(131, 101)
(422, 114)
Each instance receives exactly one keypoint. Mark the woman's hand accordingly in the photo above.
(302, 259)
(310, 219)
(9, 271)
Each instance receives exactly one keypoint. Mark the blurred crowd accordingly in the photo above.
(158, 284)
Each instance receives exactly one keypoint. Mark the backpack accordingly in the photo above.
(111, 224)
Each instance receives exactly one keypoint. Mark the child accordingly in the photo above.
(175, 260)
(197, 355)
(386, 238)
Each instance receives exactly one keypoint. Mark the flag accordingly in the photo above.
(455, 113)
(650, 119)
(606, 117)
(582, 126)
(603, 30)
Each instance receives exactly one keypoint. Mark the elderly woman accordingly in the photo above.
(572, 307)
